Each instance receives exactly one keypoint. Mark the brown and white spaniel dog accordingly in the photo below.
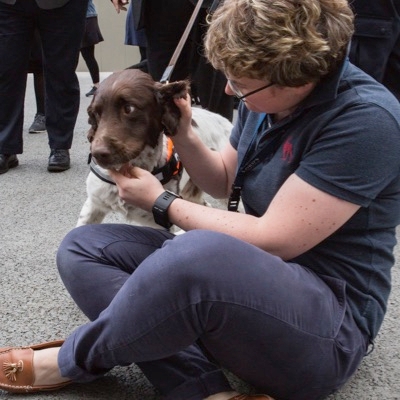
(131, 119)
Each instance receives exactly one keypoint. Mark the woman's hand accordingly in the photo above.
(185, 124)
(137, 186)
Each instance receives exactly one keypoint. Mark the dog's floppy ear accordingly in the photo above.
(92, 121)
(90, 110)
(166, 93)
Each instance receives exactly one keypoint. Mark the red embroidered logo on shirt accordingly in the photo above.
(287, 152)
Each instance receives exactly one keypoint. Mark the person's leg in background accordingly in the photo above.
(93, 67)
(92, 35)
(135, 37)
(61, 32)
(16, 33)
(209, 84)
(36, 68)
(164, 24)
(391, 78)
(375, 46)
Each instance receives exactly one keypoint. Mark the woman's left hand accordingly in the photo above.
(137, 186)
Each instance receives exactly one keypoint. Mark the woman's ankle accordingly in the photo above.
(45, 365)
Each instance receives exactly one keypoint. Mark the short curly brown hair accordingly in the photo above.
(287, 42)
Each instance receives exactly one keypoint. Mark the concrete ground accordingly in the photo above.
(39, 208)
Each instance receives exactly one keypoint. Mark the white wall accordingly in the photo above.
(112, 54)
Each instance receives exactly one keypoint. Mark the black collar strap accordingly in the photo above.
(95, 168)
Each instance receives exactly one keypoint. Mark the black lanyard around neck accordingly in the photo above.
(250, 160)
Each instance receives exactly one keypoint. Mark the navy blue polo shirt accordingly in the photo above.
(343, 139)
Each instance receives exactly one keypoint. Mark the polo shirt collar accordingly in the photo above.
(327, 89)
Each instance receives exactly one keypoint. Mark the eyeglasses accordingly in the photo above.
(240, 95)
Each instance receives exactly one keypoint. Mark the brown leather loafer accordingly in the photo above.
(251, 397)
(16, 369)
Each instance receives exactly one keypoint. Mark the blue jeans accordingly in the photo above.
(183, 307)
(61, 32)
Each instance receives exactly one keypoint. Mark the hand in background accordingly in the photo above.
(120, 5)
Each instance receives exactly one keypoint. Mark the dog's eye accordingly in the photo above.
(128, 108)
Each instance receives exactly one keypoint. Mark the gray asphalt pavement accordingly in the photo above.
(39, 208)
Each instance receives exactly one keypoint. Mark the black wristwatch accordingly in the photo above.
(160, 208)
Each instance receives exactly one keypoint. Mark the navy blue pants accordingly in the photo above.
(183, 307)
(60, 31)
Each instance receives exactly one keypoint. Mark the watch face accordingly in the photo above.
(160, 208)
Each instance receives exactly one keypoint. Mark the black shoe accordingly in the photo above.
(39, 124)
(7, 161)
(59, 160)
(91, 92)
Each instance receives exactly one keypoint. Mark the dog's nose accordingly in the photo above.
(102, 155)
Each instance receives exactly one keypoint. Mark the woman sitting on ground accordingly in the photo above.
(287, 296)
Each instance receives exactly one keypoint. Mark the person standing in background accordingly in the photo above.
(135, 37)
(91, 37)
(375, 46)
(60, 24)
(164, 23)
